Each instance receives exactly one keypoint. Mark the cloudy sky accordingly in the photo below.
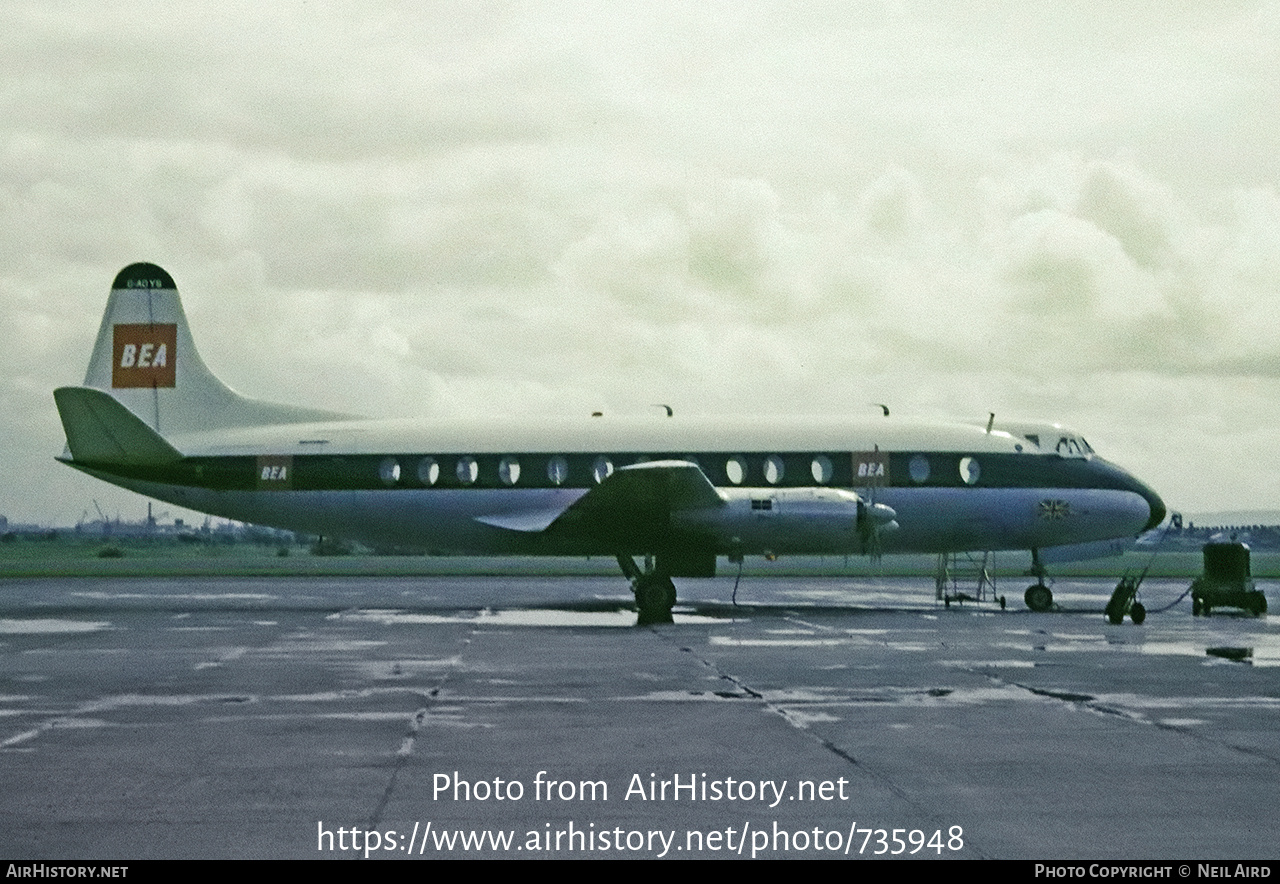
(1046, 210)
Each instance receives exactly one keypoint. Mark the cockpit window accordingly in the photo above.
(1072, 446)
(1051, 438)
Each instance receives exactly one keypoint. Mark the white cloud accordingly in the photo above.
(1065, 211)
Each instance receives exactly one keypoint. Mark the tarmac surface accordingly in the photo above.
(524, 717)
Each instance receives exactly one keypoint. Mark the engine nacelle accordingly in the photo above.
(757, 521)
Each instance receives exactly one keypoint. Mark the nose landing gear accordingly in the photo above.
(1038, 597)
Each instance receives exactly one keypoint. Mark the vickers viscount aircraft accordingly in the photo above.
(676, 492)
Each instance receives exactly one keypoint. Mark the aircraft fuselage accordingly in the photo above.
(953, 488)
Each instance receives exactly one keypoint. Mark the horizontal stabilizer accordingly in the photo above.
(101, 430)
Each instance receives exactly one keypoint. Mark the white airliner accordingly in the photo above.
(678, 492)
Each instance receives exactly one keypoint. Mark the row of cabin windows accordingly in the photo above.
(467, 470)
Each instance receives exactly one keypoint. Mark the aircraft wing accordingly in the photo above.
(634, 501)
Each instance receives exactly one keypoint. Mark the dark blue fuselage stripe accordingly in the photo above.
(325, 472)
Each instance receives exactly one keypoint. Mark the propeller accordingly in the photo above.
(874, 520)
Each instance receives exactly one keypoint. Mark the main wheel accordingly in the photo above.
(1195, 607)
(1039, 598)
(1138, 612)
(1258, 604)
(655, 597)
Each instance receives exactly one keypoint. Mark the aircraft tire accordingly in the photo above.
(1039, 598)
(1138, 613)
(1258, 604)
(1195, 607)
(655, 597)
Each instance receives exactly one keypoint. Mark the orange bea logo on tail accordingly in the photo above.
(144, 355)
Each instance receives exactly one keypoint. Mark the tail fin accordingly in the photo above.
(146, 359)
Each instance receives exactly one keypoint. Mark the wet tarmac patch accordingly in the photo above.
(537, 617)
(1264, 650)
(172, 596)
(729, 641)
(989, 664)
(49, 625)
(310, 645)
(77, 723)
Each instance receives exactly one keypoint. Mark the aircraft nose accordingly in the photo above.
(1158, 510)
(1123, 479)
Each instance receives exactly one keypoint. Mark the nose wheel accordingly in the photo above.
(1039, 598)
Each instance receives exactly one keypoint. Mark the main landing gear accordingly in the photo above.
(655, 592)
(1038, 597)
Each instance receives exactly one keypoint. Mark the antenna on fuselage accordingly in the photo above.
(882, 407)
(991, 420)
(670, 410)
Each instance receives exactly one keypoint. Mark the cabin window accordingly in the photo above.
(919, 469)
(509, 471)
(773, 469)
(601, 469)
(557, 470)
(428, 471)
(467, 470)
(821, 469)
(735, 468)
(970, 470)
(389, 471)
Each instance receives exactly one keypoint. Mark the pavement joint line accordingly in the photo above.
(1093, 705)
(405, 751)
(894, 789)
